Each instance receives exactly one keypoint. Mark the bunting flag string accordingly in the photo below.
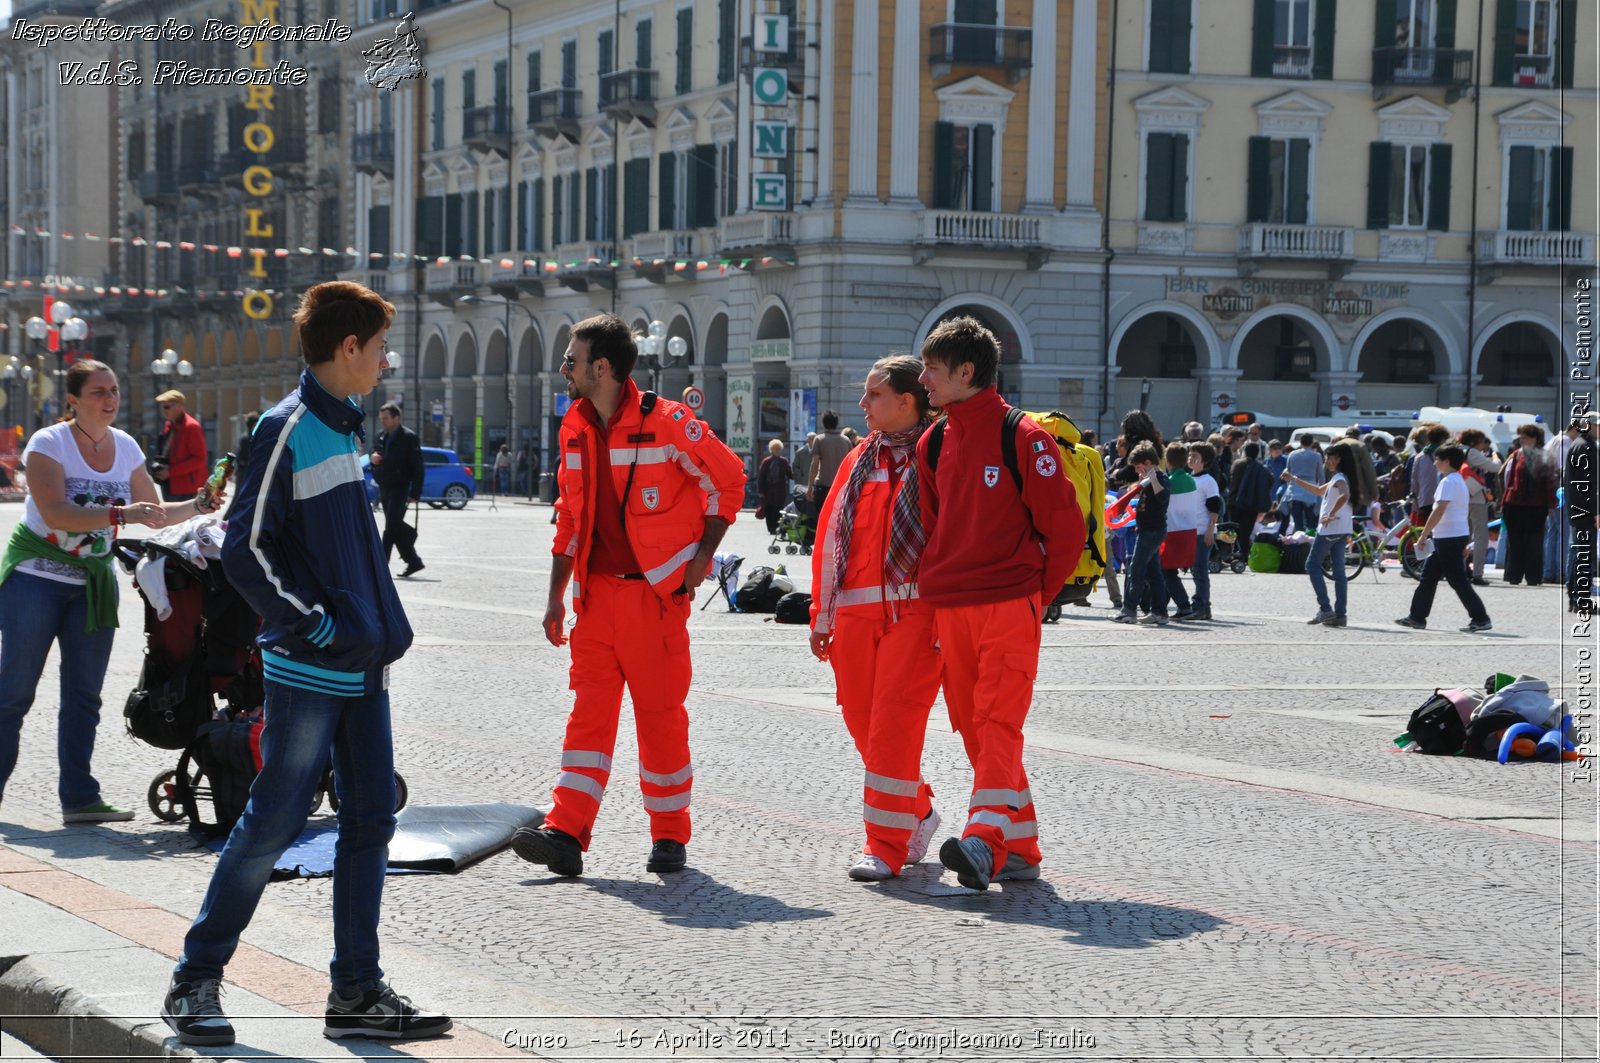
(350, 255)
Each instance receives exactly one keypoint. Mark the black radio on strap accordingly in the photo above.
(647, 402)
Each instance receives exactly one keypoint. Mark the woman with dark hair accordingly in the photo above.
(1138, 427)
(868, 622)
(86, 479)
(1530, 496)
(1343, 494)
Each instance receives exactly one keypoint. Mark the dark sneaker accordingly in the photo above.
(1477, 627)
(1322, 617)
(99, 812)
(557, 850)
(1201, 614)
(970, 859)
(194, 1011)
(1124, 618)
(1154, 620)
(1017, 870)
(412, 570)
(1337, 621)
(1415, 625)
(380, 1012)
(666, 855)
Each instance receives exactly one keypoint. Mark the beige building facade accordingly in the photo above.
(1319, 207)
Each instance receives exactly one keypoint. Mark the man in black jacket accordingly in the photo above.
(397, 468)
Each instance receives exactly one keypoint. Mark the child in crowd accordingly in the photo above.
(1340, 496)
(1144, 572)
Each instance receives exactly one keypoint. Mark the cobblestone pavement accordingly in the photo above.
(1239, 864)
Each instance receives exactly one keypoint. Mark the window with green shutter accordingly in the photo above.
(963, 167)
(470, 244)
(1169, 36)
(1539, 189)
(605, 53)
(943, 166)
(1166, 177)
(436, 115)
(378, 230)
(667, 191)
(702, 194)
(1279, 181)
(635, 196)
(727, 39)
(643, 43)
(685, 78)
(430, 226)
(452, 225)
(535, 72)
(1532, 38)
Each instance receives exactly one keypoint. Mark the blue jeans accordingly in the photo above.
(1556, 533)
(301, 725)
(1144, 574)
(34, 612)
(1322, 547)
(1304, 515)
(1202, 573)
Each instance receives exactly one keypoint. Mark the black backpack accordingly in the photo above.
(793, 608)
(226, 753)
(1439, 725)
(1008, 444)
(166, 713)
(761, 591)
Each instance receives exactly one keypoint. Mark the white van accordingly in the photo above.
(1501, 428)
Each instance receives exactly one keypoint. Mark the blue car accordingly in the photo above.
(445, 481)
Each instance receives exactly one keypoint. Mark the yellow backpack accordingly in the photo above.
(1087, 471)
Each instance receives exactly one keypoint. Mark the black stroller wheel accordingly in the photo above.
(1214, 565)
(774, 548)
(791, 548)
(163, 798)
(1238, 567)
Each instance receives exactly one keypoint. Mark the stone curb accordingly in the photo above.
(62, 1022)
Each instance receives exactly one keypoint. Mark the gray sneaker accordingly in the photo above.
(922, 837)
(970, 859)
(1154, 620)
(194, 1011)
(381, 1013)
(1322, 617)
(1017, 870)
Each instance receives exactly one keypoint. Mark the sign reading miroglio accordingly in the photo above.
(769, 88)
(259, 136)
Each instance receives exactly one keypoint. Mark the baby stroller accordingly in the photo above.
(200, 690)
(1225, 552)
(793, 528)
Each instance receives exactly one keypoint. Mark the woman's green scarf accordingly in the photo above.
(27, 544)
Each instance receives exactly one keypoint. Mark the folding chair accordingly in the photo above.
(727, 577)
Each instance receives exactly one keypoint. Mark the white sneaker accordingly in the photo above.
(869, 868)
(922, 837)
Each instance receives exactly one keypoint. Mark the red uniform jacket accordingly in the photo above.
(681, 474)
(187, 468)
(866, 588)
(986, 541)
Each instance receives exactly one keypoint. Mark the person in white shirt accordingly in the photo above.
(1340, 495)
(1209, 496)
(1448, 532)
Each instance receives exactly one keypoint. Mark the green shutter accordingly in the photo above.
(558, 203)
(1378, 184)
(1297, 206)
(685, 50)
(983, 167)
(1439, 188)
(1444, 25)
(1567, 43)
(1158, 177)
(1180, 177)
(1179, 24)
(703, 200)
(666, 196)
(1160, 36)
(1519, 190)
(1505, 41)
(1324, 19)
(635, 196)
(430, 226)
(1561, 190)
(727, 39)
(378, 230)
(642, 43)
(591, 203)
(1383, 30)
(471, 244)
(452, 224)
(538, 216)
(1261, 40)
(1258, 193)
(944, 135)
(504, 211)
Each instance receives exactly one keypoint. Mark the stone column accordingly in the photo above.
(1083, 109)
(864, 102)
(905, 113)
(1039, 194)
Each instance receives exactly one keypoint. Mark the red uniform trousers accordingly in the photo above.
(626, 633)
(991, 656)
(887, 676)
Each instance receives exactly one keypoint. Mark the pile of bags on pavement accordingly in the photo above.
(1511, 718)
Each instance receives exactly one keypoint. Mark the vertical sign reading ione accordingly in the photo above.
(769, 89)
(259, 138)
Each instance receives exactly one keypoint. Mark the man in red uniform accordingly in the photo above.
(1005, 533)
(180, 463)
(647, 492)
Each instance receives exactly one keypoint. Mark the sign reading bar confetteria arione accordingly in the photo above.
(1231, 298)
(259, 137)
(770, 351)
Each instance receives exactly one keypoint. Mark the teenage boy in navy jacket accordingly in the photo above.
(303, 550)
(1003, 536)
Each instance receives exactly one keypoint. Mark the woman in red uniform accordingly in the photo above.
(867, 621)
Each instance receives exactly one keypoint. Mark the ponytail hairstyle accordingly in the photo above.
(902, 372)
(78, 374)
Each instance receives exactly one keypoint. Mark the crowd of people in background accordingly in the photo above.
(1539, 493)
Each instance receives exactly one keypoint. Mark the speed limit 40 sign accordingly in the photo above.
(694, 398)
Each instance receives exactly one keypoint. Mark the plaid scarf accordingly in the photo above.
(907, 536)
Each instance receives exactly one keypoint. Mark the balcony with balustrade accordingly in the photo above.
(756, 235)
(578, 265)
(487, 129)
(445, 282)
(1408, 68)
(952, 44)
(1504, 248)
(373, 152)
(1334, 245)
(943, 233)
(629, 94)
(515, 273)
(655, 255)
(554, 113)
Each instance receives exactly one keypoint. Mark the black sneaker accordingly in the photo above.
(1337, 621)
(667, 855)
(1478, 627)
(1415, 625)
(380, 1012)
(970, 859)
(194, 1011)
(557, 850)
(412, 569)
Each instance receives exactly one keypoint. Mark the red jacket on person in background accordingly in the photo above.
(987, 542)
(187, 468)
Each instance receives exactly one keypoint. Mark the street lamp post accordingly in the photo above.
(37, 329)
(166, 365)
(511, 400)
(650, 349)
(18, 377)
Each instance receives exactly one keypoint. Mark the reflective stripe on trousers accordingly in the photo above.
(887, 677)
(626, 635)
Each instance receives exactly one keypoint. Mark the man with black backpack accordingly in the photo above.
(1004, 533)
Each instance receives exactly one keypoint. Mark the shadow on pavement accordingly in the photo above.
(355, 1046)
(1096, 924)
(691, 898)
